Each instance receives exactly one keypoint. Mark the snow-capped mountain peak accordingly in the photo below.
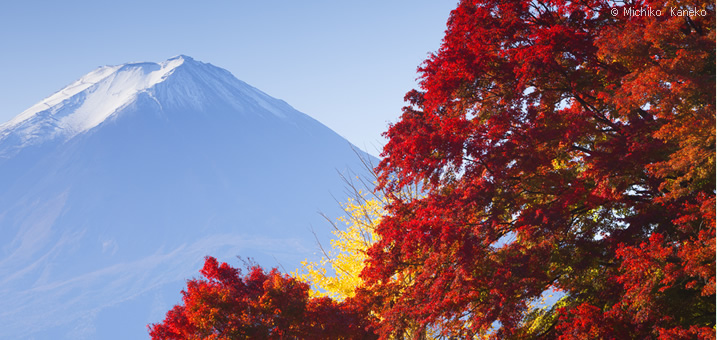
(98, 95)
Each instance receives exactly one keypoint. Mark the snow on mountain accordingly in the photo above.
(95, 97)
(114, 189)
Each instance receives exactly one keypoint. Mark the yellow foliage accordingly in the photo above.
(336, 275)
(345, 259)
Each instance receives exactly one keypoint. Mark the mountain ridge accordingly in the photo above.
(97, 96)
(99, 230)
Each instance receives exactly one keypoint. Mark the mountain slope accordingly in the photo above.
(116, 187)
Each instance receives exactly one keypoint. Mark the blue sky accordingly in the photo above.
(347, 64)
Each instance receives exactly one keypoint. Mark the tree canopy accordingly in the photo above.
(562, 144)
(259, 305)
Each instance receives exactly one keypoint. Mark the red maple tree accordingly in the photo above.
(561, 144)
(259, 305)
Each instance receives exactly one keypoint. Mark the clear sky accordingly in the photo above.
(346, 63)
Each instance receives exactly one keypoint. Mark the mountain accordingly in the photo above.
(114, 189)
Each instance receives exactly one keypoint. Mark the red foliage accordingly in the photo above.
(559, 146)
(259, 305)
